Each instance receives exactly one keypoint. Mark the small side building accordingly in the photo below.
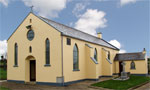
(136, 63)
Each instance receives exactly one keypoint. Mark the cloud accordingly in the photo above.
(122, 51)
(4, 2)
(3, 48)
(103, 0)
(71, 24)
(47, 8)
(124, 2)
(115, 43)
(78, 8)
(118, 45)
(90, 21)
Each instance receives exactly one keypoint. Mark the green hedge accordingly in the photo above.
(3, 74)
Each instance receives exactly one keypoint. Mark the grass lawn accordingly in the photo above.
(3, 88)
(3, 74)
(122, 85)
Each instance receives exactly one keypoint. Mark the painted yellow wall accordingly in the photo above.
(91, 67)
(116, 67)
(42, 31)
(107, 68)
(88, 69)
(140, 65)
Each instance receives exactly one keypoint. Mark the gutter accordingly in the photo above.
(62, 59)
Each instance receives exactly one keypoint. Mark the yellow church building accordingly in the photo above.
(46, 52)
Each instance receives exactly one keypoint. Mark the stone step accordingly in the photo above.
(31, 83)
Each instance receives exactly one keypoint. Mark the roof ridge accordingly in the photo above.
(129, 53)
(70, 27)
(130, 56)
(77, 30)
(110, 44)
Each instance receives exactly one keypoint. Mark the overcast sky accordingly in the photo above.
(123, 23)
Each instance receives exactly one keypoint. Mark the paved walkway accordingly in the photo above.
(144, 87)
(78, 86)
(3, 80)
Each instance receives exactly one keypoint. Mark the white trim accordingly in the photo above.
(93, 59)
(109, 60)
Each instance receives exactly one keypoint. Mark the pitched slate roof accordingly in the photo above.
(74, 33)
(130, 56)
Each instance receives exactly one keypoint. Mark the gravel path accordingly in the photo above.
(77, 86)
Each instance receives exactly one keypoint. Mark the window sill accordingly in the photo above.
(95, 61)
(76, 70)
(15, 66)
(132, 69)
(109, 60)
(47, 65)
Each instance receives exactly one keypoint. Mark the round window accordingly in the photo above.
(30, 35)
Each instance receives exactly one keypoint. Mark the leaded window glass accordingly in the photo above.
(30, 49)
(75, 58)
(68, 41)
(47, 53)
(132, 65)
(30, 35)
(108, 55)
(95, 54)
(16, 55)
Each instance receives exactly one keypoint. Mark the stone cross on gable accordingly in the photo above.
(31, 8)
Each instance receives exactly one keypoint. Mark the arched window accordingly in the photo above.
(132, 65)
(95, 54)
(47, 51)
(75, 58)
(108, 55)
(30, 49)
(16, 55)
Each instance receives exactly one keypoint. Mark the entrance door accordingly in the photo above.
(32, 70)
(120, 68)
